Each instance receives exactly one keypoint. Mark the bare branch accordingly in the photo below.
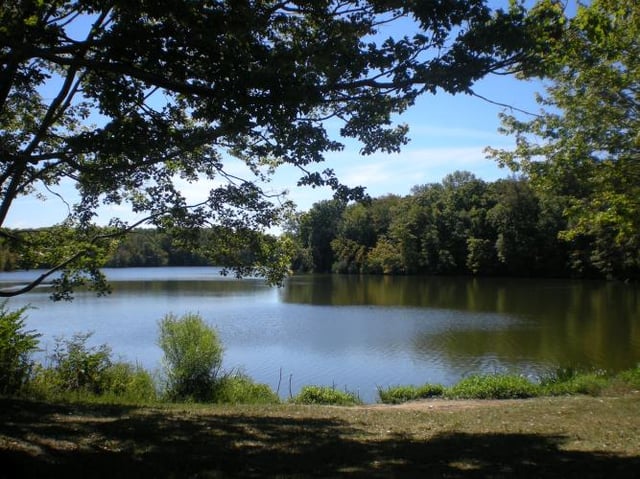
(504, 105)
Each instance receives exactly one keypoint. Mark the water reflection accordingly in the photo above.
(581, 323)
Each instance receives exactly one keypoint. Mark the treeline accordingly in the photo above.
(150, 247)
(140, 248)
(462, 225)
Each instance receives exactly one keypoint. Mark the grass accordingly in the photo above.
(326, 395)
(574, 436)
(493, 386)
(563, 381)
(401, 394)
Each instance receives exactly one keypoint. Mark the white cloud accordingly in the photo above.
(399, 172)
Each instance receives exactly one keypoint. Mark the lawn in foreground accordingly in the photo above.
(543, 437)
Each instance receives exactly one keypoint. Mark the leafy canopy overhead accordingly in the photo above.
(122, 98)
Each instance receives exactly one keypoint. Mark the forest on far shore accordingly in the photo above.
(462, 225)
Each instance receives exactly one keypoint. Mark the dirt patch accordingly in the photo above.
(447, 404)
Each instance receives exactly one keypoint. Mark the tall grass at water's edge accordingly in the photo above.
(240, 389)
(562, 381)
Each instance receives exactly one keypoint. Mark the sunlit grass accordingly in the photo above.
(562, 381)
(326, 396)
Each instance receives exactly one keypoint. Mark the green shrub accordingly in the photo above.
(76, 367)
(192, 357)
(16, 347)
(241, 389)
(126, 382)
(397, 394)
(493, 386)
(430, 391)
(570, 380)
(631, 377)
(401, 394)
(326, 395)
(580, 383)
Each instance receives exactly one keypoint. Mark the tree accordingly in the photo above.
(584, 147)
(128, 99)
(192, 356)
(317, 229)
(16, 347)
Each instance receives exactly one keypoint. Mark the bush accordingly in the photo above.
(564, 381)
(241, 389)
(127, 382)
(397, 394)
(631, 377)
(326, 395)
(76, 367)
(192, 357)
(16, 347)
(400, 394)
(493, 386)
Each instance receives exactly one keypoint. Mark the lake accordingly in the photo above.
(358, 332)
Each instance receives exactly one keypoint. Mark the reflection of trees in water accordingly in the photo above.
(183, 287)
(581, 323)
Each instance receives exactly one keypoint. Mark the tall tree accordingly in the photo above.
(585, 145)
(317, 228)
(121, 98)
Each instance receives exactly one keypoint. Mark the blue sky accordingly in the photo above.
(447, 133)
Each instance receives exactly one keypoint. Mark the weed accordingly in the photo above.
(564, 381)
(493, 386)
(400, 394)
(241, 389)
(631, 377)
(326, 395)
(192, 357)
(16, 347)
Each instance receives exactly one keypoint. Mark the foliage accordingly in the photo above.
(192, 357)
(132, 102)
(493, 386)
(241, 389)
(401, 394)
(130, 383)
(562, 381)
(76, 367)
(326, 395)
(461, 226)
(142, 247)
(384, 258)
(315, 230)
(16, 347)
(76, 370)
(570, 380)
(583, 146)
(631, 377)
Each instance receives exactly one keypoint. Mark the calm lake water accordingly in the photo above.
(358, 332)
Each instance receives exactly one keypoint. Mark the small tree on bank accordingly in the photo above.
(192, 357)
(16, 347)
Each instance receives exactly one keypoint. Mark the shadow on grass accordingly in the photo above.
(42, 440)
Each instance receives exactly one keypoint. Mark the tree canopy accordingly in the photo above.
(584, 147)
(122, 98)
(462, 225)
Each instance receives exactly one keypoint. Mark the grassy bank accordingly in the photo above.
(560, 382)
(543, 437)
